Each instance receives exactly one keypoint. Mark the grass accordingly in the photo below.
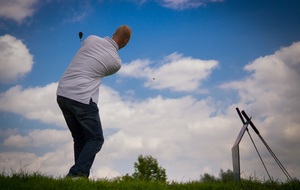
(38, 181)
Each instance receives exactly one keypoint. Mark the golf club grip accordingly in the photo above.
(250, 122)
(80, 35)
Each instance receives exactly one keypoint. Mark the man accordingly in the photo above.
(78, 91)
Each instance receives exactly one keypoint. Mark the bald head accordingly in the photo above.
(122, 36)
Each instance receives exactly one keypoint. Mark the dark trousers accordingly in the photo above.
(84, 123)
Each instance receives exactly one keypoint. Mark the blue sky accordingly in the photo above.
(207, 58)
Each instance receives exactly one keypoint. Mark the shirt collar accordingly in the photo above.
(112, 42)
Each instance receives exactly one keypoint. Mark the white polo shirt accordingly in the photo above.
(96, 58)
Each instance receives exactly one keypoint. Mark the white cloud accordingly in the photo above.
(77, 17)
(182, 4)
(179, 4)
(15, 160)
(38, 138)
(37, 103)
(104, 172)
(84, 9)
(176, 131)
(272, 90)
(15, 59)
(17, 10)
(8, 132)
(177, 72)
(55, 163)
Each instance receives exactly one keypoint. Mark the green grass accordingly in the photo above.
(38, 181)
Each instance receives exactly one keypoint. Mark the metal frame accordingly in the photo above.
(236, 152)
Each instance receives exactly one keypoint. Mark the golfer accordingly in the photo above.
(78, 92)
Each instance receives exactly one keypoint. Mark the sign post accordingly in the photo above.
(235, 149)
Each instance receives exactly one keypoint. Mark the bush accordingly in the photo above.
(147, 169)
(206, 178)
(224, 177)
